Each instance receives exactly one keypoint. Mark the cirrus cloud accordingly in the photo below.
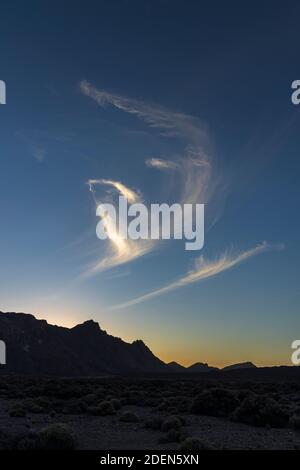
(203, 269)
(200, 182)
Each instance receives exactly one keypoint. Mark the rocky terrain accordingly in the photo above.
(81, 388)
(148, 414)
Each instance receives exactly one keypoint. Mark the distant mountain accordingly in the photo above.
(175, 367)
(240, 365)
(35, 347)
(200, 367)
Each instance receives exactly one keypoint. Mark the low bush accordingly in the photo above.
(215, 402)
(295, 422)
(259, 410)
(56, 437)
(172, 422)
(27, 441)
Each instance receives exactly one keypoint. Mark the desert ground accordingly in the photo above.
(148, 413)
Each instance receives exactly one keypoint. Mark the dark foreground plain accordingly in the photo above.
(194, 413)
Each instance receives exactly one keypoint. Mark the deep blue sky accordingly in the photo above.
(229, 64)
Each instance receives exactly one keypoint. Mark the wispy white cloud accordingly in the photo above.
(199, 178)
(203, 269)
(154, 115)
(200, 182)
(131, 195)
(120, 251)
(194, 168)
(161, 164)
(37, 150)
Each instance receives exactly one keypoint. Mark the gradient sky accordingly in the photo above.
(225, 67)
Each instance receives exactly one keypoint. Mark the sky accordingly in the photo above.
(175, 102)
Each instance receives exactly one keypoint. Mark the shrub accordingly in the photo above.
(172, 422)
(57, 437)
(215, 402)
(37, 405)
(193, 443)
(26, 441)
(259, 410)
(129, 417)
(295, 422)
(43, 402)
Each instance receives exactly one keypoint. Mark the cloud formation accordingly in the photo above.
(120, 251)
(200, 182)
(131, 195)
(203, 269)
(161, 164)
(38, 152)
(155, 116)
(194, 168)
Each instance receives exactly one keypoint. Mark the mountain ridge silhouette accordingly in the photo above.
(35, 347)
